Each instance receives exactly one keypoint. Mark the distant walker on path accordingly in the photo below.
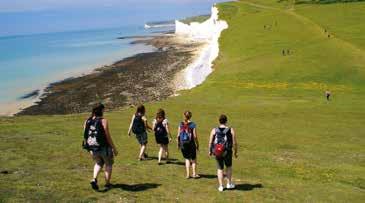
(328, 95)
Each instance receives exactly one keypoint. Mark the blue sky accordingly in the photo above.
(41, 16)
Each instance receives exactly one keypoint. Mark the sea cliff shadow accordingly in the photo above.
(248, 187)
(134, 187)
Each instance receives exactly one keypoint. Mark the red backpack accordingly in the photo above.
(220, 142)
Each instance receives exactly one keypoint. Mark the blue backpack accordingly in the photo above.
(185, 135)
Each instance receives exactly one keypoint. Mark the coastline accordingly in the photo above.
(137, 79)
(181, 61)
(29, 99)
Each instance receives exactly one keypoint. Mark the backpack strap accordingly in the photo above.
(225, 131)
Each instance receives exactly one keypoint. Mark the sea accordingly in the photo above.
(32, 62)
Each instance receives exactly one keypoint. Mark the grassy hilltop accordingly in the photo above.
(293, 145)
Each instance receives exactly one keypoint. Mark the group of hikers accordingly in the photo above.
(98, 142)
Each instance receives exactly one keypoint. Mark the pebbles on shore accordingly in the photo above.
(141, 78)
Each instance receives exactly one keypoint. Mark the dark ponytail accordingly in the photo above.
(97, 111)
(141, 110)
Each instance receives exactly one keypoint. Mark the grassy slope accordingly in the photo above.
(299, 147)
(200, 19)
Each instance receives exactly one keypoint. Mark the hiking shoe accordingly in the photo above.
(230, 186)
(145, 155)
(220, 188)
(108, 186)
(94, 184)
(159, 163)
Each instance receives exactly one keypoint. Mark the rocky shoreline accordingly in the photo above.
(138, 79)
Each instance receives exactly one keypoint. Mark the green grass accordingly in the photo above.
(298, 146)
(200, 18)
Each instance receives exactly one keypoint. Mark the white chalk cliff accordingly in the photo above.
(208, 31)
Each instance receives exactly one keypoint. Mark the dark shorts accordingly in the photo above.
(142, 138)
(226, 160)
(103, 156)
(162, 140)
(189, 152)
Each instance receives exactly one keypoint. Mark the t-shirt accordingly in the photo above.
(192, 125)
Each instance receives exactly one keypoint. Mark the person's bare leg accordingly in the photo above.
(160, 154)
(108, 173)
(229, 175)
(97, 169)
(141, 152)
(220, 177)
(166, 152)
(193, 165)
(187, 166)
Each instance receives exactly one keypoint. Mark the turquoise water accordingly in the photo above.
(32, 62)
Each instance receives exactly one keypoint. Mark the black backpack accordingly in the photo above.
(138, 126)
(221, 142)
(94, 135)
(160, 130)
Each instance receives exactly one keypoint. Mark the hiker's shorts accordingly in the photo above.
(104, 156)
(142, 138)
(162, 140)
(189, 152)
(226, 160)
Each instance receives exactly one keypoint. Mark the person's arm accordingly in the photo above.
(130, 126)
(211, 142)
(234, 139)
(196, 139)
(154, 124)
(167, 130)
(178, 137)
(84, 141)
(146, 123)
(108, 137)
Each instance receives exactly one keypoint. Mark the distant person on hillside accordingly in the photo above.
(188, 143)
(283, 52)
(162, 134)
(222, 140)
(328, 95)
(138, 126)
(98, 142)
